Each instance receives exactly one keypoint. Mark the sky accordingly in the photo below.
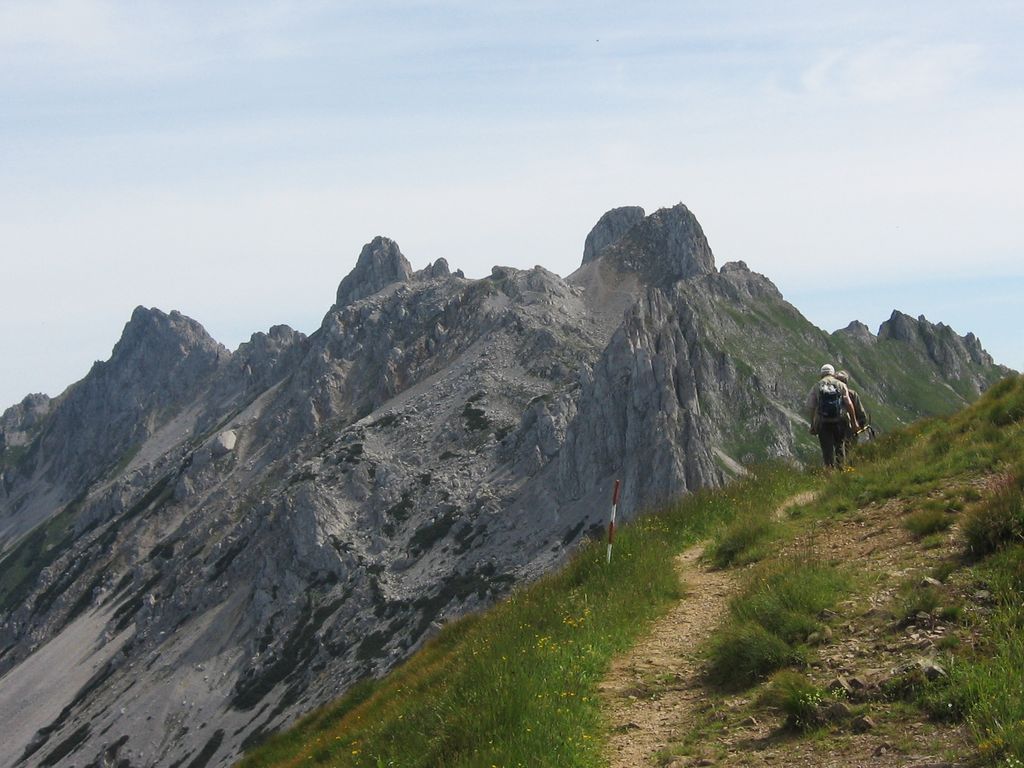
(230, 159)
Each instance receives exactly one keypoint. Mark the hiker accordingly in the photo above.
(829, 404)
(849, 432)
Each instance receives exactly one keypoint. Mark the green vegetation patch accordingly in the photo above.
(927, 521)
(915, 463)
(985, 681)
(20, 568)
(743, 540)
(797, 697)
(997, 521)
(770, 621)
(475, 418)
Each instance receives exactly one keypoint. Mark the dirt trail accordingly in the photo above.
(653, 695)
(665, 659)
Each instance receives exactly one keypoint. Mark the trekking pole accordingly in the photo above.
(611, 522)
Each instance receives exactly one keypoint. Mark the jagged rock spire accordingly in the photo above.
(380, 263)
(944, 346)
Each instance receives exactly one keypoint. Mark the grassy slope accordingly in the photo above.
(516, 685)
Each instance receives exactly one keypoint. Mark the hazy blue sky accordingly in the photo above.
(229, 159)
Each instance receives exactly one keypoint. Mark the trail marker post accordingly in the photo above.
(611, 522)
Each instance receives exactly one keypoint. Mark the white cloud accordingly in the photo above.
(83, 26)
(892, 71)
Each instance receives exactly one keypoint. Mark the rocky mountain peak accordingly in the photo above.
(157, 368)
(610, 228)
(380, 264)
(943, 345)
(155, 344)
(976, 351)
(857, 330)
(900, 327)
(152, 330)
(663, 248)
(262, 348)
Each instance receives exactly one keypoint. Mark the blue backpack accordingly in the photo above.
(830, 402)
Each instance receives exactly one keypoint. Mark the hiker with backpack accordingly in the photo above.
(850, 432)
(830, 405)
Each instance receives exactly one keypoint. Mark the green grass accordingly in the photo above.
(517, 685)
(770, 621)
(743, 540)
(985, 687)
(913, 599)
(998, 521)
(994, 678)
(927, 521)
(797, 698)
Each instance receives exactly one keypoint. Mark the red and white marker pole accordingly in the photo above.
(611, 522)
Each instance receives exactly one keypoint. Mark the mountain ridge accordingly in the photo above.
(326, 500)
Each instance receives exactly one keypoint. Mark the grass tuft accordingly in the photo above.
(797, 698)
(771, 620)
(744, 652)
(998, 521)
(744, 540)
(913, 599)
(925, 522)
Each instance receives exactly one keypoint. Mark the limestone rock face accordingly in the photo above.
(258, 530)
(639, 416)
(954, 354)
(609, 229)
(380, 263)
(438, 269)
(743, 284)
(160, 365)
(857, 330)
(663, 248)
(260, 362)
(20, 422)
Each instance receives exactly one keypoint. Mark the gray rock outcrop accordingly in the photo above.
(858, 331)
(956, 355)
(19, 423)
(609, 229)
(663, 248)
(436, 270)
(380, 264)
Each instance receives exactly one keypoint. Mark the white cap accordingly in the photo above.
(827, 370)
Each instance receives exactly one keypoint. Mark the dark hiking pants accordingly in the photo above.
(831, 438)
